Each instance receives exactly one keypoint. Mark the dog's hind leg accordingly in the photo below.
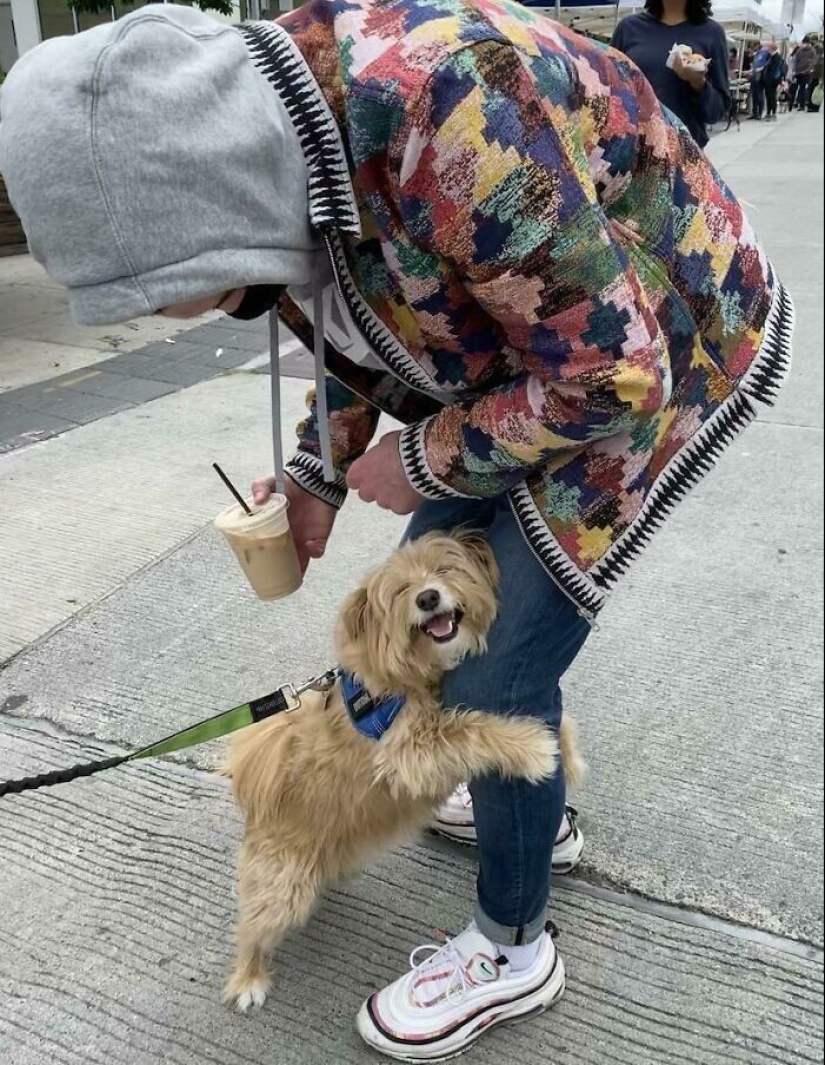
(275, 896)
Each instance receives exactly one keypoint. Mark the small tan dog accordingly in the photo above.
(320, 798)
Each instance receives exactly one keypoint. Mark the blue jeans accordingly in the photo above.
(757, 98)
(535, 638)
(803, 90)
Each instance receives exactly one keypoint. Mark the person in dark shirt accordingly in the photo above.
(758, 99)
(698, 99)
(819, 72)
(805, 64)
(772, 76)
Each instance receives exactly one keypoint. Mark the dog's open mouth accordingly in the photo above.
(441, 628)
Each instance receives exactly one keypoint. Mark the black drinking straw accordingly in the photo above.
(231, 488)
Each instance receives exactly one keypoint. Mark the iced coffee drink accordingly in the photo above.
(263, 545)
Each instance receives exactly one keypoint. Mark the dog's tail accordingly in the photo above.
(572, 762)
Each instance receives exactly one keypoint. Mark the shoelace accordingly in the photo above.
(462, 795)
(445, 966)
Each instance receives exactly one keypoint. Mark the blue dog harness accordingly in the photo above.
(371, 717)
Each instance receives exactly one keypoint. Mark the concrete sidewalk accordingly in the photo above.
(692, 934)
(38, 340)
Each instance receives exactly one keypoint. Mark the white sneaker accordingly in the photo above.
(455, 821)
(567, 850)
(455, 994)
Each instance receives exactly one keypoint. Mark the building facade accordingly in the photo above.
(25, 23)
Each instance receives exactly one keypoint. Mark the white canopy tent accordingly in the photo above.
(741, 21)
(749, 22)
(593, 20)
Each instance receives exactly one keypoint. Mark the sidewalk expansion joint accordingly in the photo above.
(94, 603)
(797, 948)
(578, 885)
(667, 911)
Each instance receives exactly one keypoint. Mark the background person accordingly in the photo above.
(698, 99)
(772, 77)
(758, 98)
(791, 76)
(806, 59)
(814, 96)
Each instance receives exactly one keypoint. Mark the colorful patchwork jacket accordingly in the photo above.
(568, 303)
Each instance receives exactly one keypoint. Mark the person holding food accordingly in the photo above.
(758, 95)
(695, 85)
(773, 75)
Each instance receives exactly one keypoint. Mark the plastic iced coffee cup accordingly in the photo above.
(264, 546)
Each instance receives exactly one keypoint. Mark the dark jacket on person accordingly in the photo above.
(805, 59)
(774, 70)
(647, 41)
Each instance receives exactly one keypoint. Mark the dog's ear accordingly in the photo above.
(353, 618)
(482, 555)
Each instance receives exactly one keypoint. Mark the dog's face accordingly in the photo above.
(429, 606)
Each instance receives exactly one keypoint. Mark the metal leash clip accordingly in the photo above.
(291, 697)
(323, 682)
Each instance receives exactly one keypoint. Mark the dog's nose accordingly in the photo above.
(428, 600)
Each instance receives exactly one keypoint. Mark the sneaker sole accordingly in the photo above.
(467, 838)
(458, 833)
(543, 999)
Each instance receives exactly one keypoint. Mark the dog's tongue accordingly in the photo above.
(440, 626)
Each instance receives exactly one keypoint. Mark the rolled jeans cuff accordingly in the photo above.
(508, 935)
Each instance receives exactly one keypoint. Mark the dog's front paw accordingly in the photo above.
(534, 751)
(246, 992)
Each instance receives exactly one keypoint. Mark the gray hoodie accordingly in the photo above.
(144, 182)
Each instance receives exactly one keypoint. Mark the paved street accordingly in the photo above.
(693, 931)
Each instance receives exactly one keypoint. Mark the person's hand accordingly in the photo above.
(310, 518)
(695, 78)
(379, 477)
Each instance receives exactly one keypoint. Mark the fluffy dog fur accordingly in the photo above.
(319, 798)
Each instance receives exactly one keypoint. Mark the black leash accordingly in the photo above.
(282, 701)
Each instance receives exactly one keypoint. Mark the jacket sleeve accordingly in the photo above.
(493, 178)
(715, 97)
(352, 424)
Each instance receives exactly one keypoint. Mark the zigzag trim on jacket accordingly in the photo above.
(396, 357)
(332, 203)
(307, 472)
(761, 383)
(769, 369)
(414, 459)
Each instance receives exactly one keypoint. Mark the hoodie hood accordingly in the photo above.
(151, 163)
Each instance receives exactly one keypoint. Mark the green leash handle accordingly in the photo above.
(281, 701)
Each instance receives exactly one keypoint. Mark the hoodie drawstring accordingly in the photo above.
(275, 393)
(324, 435)
(322, 411)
